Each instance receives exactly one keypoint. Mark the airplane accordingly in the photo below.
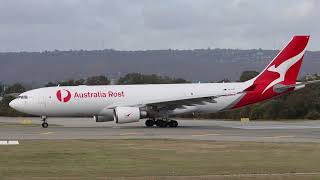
(157, 102)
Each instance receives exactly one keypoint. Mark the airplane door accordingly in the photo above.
(42, 103)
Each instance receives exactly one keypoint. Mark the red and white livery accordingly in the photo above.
(130, 103)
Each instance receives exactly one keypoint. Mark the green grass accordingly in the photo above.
(89, 159)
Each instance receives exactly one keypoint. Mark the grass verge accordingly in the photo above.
(147, 159)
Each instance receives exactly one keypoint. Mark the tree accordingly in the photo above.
(5, 110)
(247, 75)
(79, 82)
(313, 114)
(15, 88)
(179, 81)
(51, 84)
(1, 89)
(257, 112)
(97, 80)
(70, 82)
(137, 78)
(224, 80)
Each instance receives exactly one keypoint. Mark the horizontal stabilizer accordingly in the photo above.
(298, 85)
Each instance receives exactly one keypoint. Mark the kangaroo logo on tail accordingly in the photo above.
(282, 69)
(282, 72)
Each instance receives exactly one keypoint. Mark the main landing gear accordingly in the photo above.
(44, 124)
(165, 122)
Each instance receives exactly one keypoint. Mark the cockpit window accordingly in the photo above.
(22, 97)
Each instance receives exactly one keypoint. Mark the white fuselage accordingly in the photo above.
(129, 103)
(97, 100)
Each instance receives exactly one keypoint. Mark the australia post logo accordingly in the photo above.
(63, 95)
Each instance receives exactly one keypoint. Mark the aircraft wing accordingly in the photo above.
(172, 103)
(186, 101)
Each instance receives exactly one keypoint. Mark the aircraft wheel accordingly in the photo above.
(161, 123)
(149, 122)
(173, 123)
(44, 125)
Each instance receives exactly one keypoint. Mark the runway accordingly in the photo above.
(216, 130)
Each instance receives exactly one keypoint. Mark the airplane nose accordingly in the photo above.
(13, 104)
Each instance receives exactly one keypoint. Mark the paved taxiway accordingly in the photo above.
(86, 128)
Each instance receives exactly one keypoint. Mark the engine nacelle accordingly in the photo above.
(103, 118)
(128, 114)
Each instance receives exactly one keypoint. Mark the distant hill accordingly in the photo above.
(194, 65)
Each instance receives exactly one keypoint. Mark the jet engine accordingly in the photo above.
(128, 114)
(103, 118)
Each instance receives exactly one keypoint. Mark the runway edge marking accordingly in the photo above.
(9, 142)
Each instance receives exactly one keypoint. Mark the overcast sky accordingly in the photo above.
(37, 25)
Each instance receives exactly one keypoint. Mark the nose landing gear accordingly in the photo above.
(44, 124)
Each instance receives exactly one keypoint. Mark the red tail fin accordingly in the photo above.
(283, 70)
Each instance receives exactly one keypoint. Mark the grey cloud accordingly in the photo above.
(37, 25)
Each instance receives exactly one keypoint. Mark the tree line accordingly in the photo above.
(302, 104)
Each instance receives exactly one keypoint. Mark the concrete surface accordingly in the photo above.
(86, 128)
